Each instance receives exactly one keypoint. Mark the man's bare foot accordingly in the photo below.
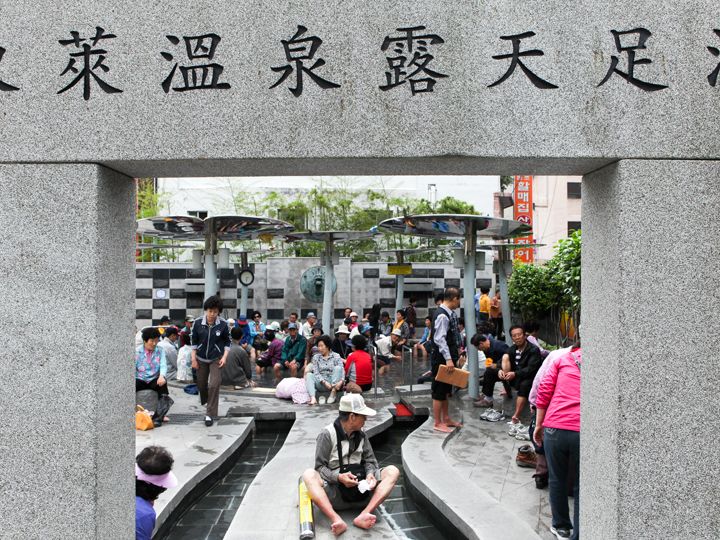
(166, 418)
(365, 520)
(453, 423)
(442, 428)
(313, 401)
(338, 526)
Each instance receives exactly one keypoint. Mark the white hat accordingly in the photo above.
(275, 326)
(231, 322)
(397, 332)
(353, 314)
(342, 329)
(354, 332)
(354, 403)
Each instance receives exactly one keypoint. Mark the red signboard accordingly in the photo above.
(523, 212)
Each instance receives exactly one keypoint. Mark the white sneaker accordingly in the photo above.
(514, 429)
(333, 397)
(322, 400)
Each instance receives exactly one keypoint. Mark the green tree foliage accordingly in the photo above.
(149, 204)
(333, 206)
(549, 290)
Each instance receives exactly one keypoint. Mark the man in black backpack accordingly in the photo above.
(445, 339)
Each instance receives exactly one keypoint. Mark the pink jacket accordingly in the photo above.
(559, 393)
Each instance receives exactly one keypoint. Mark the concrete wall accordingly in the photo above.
(276, 289)
(463, 127)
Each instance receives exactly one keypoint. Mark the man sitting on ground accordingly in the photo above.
(237, 370)
(307, 326)
(323, 482)
(494, 351)
(293, 353)
(386, 324)
(519, 367)
(273, 354)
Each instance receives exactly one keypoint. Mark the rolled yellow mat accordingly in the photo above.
(307, 525)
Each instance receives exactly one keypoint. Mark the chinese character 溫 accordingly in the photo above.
(298, 50)
(5, 87)
(516, 61)
(642, 35)
(713, 77)
(414, 70)
(92, 60)
(196, 76)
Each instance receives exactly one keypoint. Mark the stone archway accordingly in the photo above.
(650, 208)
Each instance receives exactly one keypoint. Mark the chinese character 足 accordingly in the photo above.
(515, 61)
(713, 77)
(5, 87)
(92, 60)
(297, 51)
(196, 77)
(413, 69)
(642, 36)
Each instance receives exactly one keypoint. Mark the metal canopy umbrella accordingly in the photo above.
(213, 230)
(330, 238)
(470, 228)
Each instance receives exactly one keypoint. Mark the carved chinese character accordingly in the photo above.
(5, 87)
(642, 36)
(411, 63)
(713, 77)
(92, 60)
(297, 52)
(204, 76)
(515, 61)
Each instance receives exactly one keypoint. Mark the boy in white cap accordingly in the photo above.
(350, 477)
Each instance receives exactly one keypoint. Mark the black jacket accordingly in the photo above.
(210, 342)
(530, 361)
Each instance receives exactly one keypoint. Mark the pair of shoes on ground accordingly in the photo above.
(491, 415)
(519, 431)
(561, 532)
(526, 457)
(483, 402)
(329, 400)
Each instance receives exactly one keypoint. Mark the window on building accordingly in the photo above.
(202, 214)
(574, 190)
(573, 226)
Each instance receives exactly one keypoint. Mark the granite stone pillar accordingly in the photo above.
(650, 326)
(66, 314)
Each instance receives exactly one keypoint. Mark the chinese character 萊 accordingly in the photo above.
(92, 60)
(297, 51)
(411, 63)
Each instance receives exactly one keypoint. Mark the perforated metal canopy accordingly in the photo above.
(454, 225)
(227, 228)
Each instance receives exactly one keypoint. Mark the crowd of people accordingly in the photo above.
(309, 365)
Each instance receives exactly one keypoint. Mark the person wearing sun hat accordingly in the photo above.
(323, 481)
(153, 476)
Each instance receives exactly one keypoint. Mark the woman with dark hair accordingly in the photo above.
(210, 348)
(153, 476)
(557, 428)
(374, 318)
(150, 363)
(311, 347)
(325, 371)
(358, 366)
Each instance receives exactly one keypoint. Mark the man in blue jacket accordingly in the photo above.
(210, 346)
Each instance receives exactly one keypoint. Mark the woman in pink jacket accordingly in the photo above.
(558, 423)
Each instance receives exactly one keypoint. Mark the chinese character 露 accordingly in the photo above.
(92, 60)
(297, 51)
(516, 61)
(404, 68)
(642, 36)
(204, 76)
(5, 87)
(713, 77)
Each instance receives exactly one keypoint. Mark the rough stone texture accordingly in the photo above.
(462, 126)
(651, 309)
(66, 437)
